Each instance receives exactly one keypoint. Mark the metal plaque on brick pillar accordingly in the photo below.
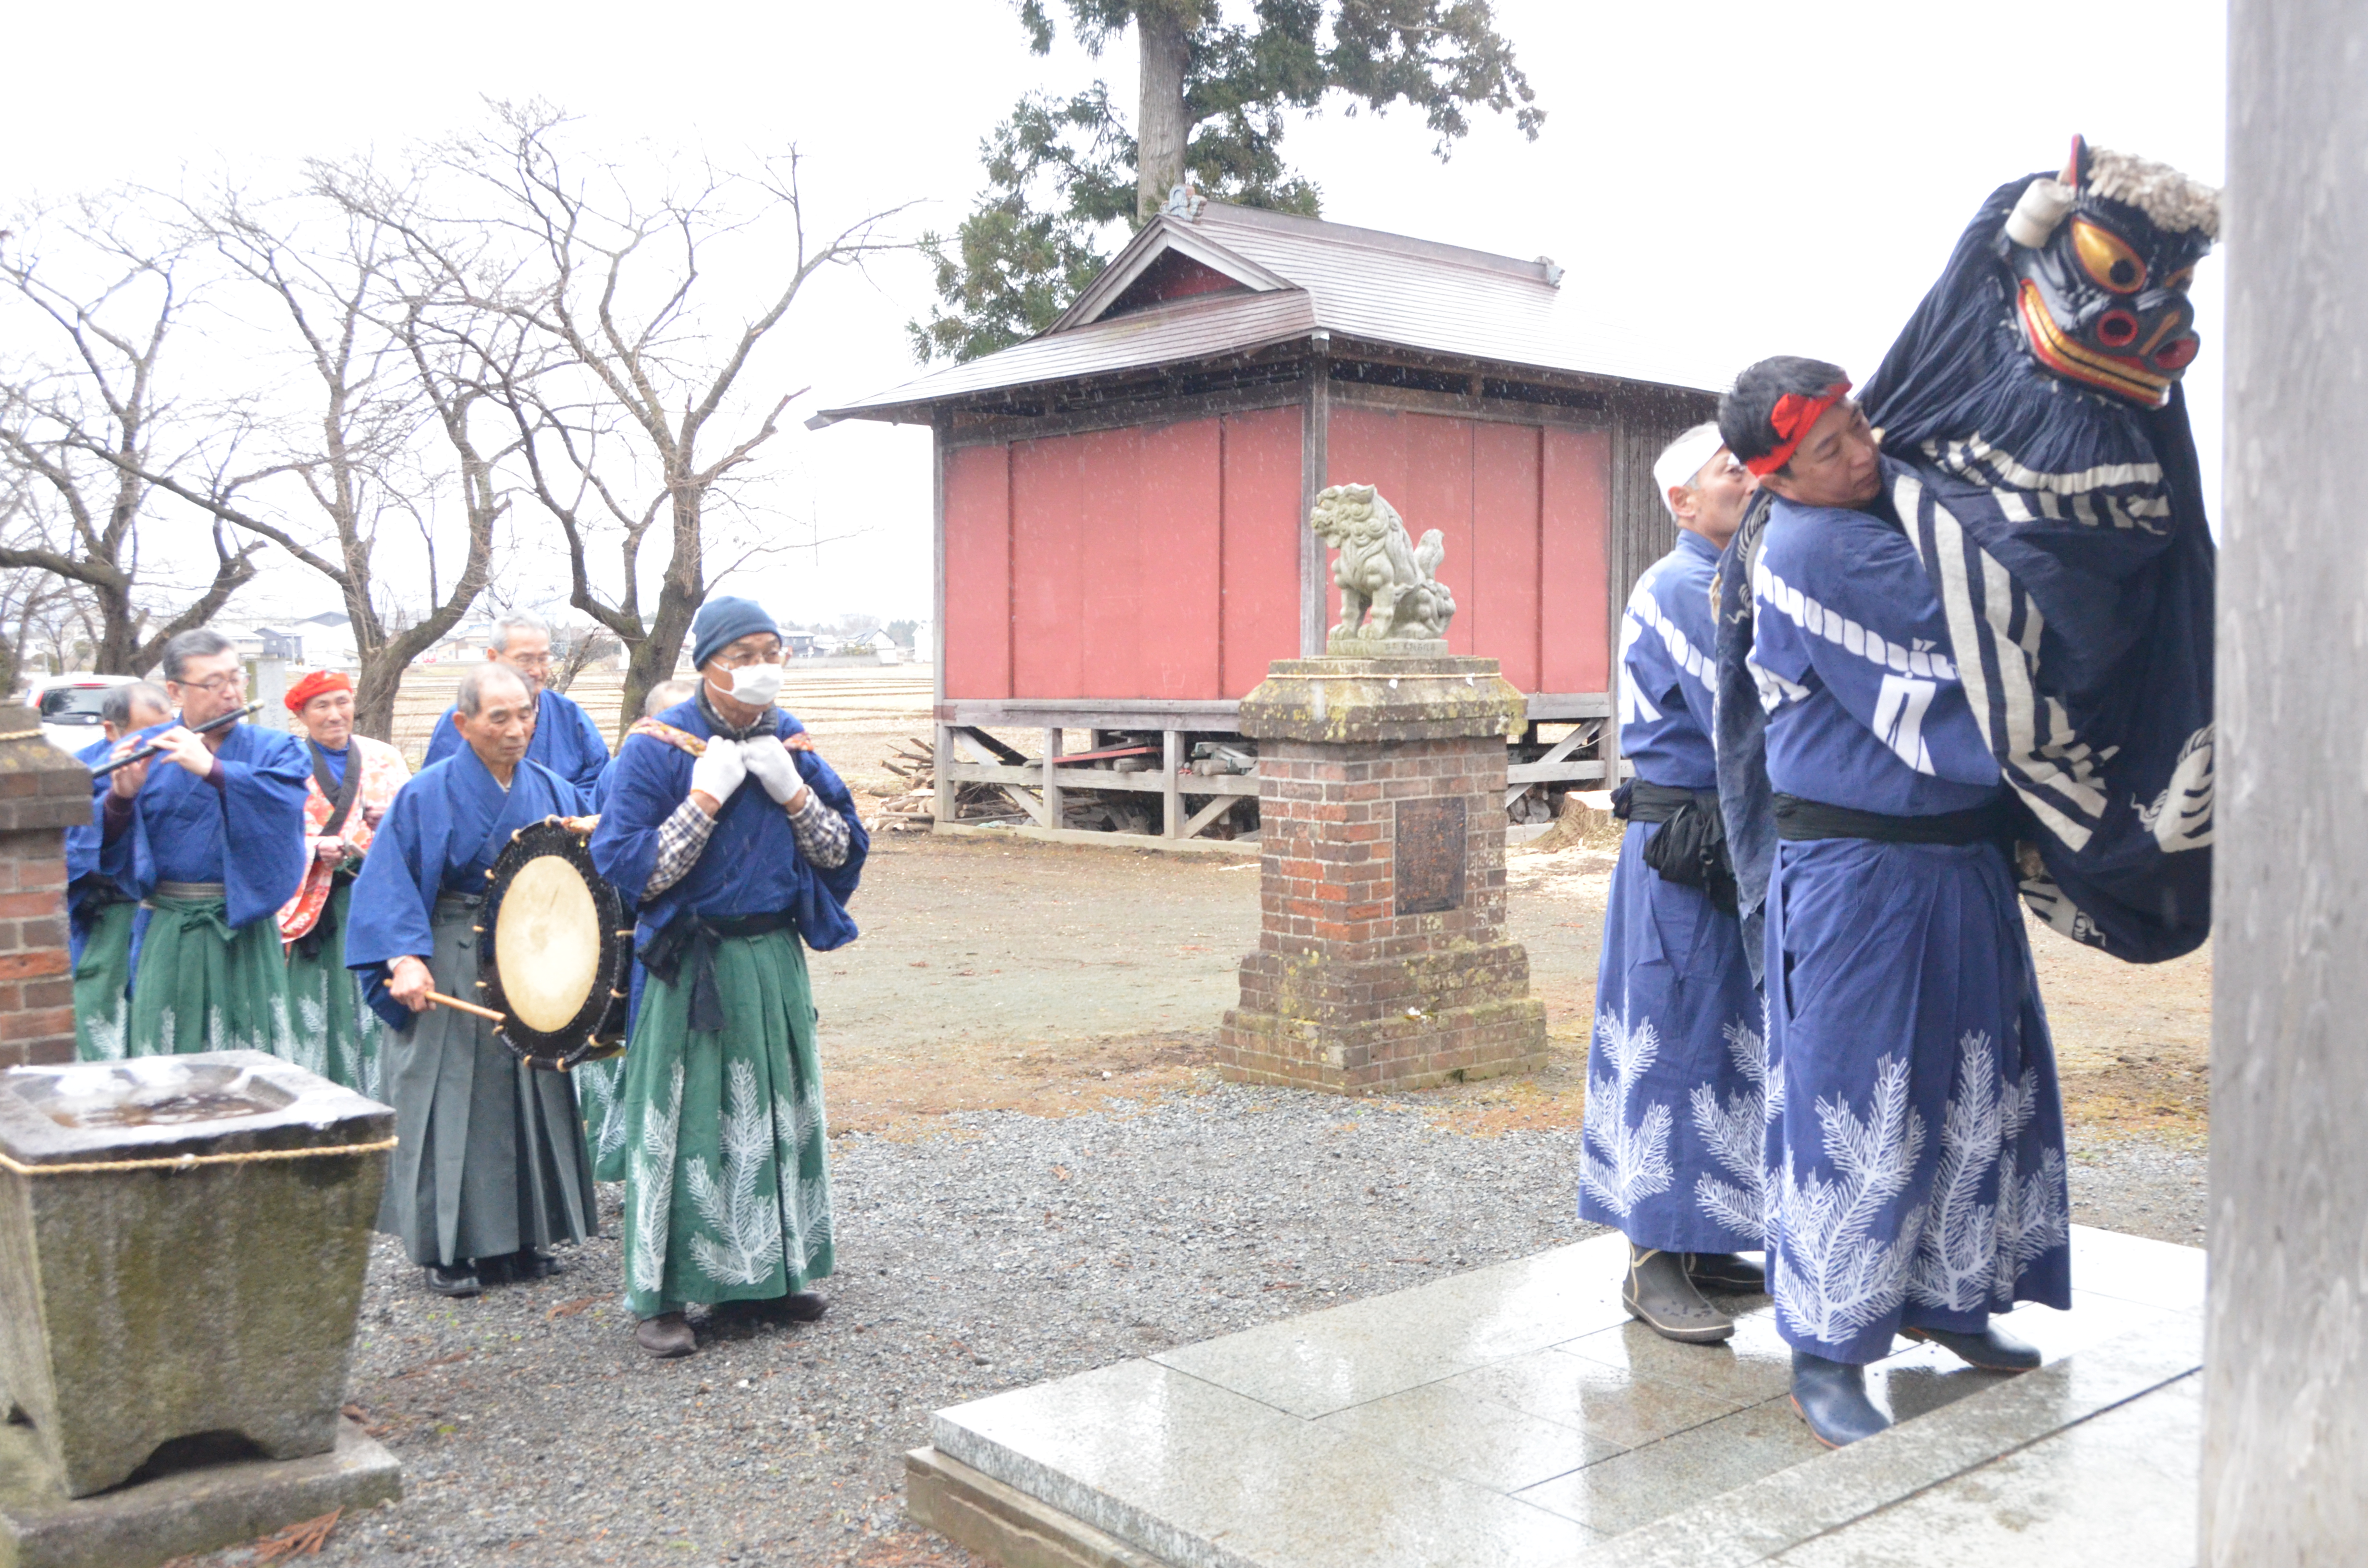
(1382, 961)
(1433, 846)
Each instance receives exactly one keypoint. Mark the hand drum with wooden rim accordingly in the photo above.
(556, 953)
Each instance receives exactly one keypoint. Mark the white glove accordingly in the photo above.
(718, 771)
(769, 764)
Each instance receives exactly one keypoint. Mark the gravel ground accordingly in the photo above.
(1004, 1250)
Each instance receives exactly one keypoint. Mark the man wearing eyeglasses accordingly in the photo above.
(211, 974)
(565, 740)
(743, 847)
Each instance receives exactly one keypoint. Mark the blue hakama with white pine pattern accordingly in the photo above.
(1673, 1139)
(1916, 1148)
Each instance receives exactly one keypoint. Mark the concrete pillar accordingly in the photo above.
(2285, 1448)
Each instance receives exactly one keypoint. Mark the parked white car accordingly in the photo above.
(69, 708)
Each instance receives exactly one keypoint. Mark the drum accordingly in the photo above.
(554, 956)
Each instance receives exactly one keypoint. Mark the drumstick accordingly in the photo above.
(454, 1002)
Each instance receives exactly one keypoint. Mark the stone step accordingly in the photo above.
(1514, 1416)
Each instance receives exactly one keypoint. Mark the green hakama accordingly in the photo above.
(102, 981)
(728, 1195)
(334, 1035)
(600, 1090)
(490, 1158)
(193, 966)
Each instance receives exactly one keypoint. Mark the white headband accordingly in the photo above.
(1684, 458)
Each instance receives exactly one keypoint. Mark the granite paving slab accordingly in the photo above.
(1514, 1416)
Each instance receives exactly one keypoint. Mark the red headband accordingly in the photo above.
(1796, 413)
(314, 684)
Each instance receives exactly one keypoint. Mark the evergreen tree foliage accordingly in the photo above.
(1215, 101)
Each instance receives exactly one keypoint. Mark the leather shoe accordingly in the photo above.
(1657, 1293)
(532, 1263)
(803, 1306)
(665, 1335)
(1991, 1350)
(1831, 1397)
(1728, 1273)
(455, 1279)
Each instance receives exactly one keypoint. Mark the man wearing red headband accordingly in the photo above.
(354, 780)
(1918, 1149)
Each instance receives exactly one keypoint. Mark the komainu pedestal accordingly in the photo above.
(1382, 961)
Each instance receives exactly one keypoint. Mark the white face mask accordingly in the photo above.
(756, 684)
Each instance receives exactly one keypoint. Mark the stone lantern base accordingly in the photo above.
(1382, 961)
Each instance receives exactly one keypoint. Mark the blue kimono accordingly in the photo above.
(446, 829)
(89, 889)
(1918, 1146)
(491, 1157)
(182, 827)
(211, 866)
(566, 741)
(750, 865)
(1672, 1149)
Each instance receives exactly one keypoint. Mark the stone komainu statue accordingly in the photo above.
(1389, 585)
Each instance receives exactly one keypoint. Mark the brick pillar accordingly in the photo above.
(42, 792)
(1382, 961)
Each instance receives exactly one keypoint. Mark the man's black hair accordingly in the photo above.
(1746, 415)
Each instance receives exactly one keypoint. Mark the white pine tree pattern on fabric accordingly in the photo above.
(1972, 1253)
(602, 1089)
(308, 1043)
(1736, 1136)
(1832, 1280)
(107, 1033)
(797, 1124)
(1620, 1164)
(746, 1246)
(650, 1177)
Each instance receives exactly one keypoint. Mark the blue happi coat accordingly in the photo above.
(447, 827)
(751, 864)
(566, 741)
(1672, 1149)
(88, 888)
(1916, 1149)
(182, 827)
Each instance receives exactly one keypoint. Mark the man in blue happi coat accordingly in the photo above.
(491, 1166)
(101, 909)
(1919, 1185)
(743, 847)
(211, 975)
(1674, 1139)
(565, 740)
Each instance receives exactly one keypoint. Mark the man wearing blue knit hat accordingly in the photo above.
(743, 848)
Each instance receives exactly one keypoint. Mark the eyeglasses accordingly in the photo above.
(530, 661)
(742, 661)
(220, 686)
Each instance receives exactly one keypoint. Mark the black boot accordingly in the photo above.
(1657, 1293)
(1728, 1273)
(1831, 1397)
(453, 1279)
(1992, 1350)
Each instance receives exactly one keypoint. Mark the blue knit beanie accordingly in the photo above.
(721, 622)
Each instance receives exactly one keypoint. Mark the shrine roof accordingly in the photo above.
(1233, 280)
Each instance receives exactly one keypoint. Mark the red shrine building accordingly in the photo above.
(1122, 529)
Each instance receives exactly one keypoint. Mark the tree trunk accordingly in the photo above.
(1161, 128)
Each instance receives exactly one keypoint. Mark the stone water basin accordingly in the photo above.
(209, 1302)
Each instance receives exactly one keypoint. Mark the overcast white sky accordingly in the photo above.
(1741, 179)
